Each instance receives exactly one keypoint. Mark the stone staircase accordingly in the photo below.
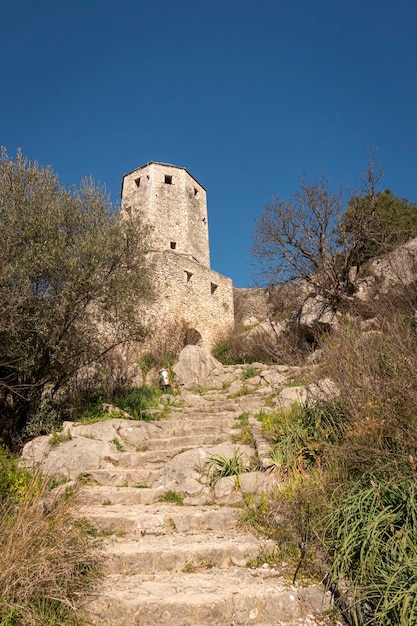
(174, 553)
(168, 563)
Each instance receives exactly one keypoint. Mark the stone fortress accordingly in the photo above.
(174, 204)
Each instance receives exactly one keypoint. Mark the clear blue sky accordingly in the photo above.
(246, 95)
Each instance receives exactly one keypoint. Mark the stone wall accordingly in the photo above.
(193, 294)
(251, 303)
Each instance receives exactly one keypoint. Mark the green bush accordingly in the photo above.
(372, 536)
(225, 353)
(220, 466)
(249, 372)
(14, 479)
(304, 436)
(136, 401)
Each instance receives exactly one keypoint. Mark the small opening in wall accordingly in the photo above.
(173, 245)
(213, 287)
(195, 191)
(188, 275)
(137, 182)
(168, 180)
(204, 220)
(192, 337)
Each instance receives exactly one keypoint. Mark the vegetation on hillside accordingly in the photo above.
(346, 504)
(47, 560)
(317, 237)
(72, 275)
(346, 507)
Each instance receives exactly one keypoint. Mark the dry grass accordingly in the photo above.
(47, 560)
(375, 373)
(164, 343)
(263, 344)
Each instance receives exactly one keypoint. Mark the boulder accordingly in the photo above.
(192, 466)
(194, 366)
(315, 315)
(85, 447)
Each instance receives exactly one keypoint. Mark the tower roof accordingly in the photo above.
(178, 167)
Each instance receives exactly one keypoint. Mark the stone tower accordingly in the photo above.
(173, 202)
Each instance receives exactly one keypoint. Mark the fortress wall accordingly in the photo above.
(250, 302)
(194, 294)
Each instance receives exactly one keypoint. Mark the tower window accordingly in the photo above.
(195, 191)
(213, 287)
(173, 245)
(168, 180)
(188, 275)
(137, 182)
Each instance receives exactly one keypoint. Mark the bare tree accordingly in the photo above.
(300, 239)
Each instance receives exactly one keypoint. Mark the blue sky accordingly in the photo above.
(247, 96)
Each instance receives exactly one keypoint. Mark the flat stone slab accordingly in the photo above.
(235, 596)
(158, 519)
(107, 495)
(121, 477)
(139, 555)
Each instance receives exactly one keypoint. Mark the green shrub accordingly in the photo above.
(136, 401)
(44, 420)
(173, 497)
(249, 372)
(59, 437)
(224, 353)
(14, 479)
(220, 466)
(372, 536)
(305, 436)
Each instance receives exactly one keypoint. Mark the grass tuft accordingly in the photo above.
(47, 560)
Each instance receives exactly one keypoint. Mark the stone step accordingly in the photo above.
(186, 427)
(152, 554)
(215, 597)
(158, 519)
(143, 458)
(141, 477)
(186, 441)
(227, 407)
(107, 495)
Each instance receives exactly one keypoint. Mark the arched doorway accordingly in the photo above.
(192, 337)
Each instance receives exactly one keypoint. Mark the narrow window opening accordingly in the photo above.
(204, 220)
(213, 287)
(173, 245)
(188, 275)
(195, 191)
(137, 182)
(168, 180)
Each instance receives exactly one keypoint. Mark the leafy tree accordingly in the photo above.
(71, 277)
(378, 223)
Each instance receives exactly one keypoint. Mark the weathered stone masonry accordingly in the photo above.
(174, 204)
